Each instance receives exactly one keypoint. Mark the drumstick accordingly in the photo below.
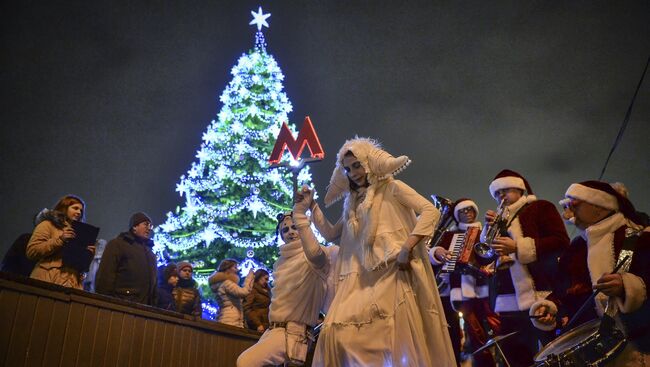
(593, 295)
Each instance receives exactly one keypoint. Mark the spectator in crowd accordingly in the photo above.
(167, 281)
(50, 235)
(128, 267)
(228, 294)
(186, 295)
(15, 260)
(256, 305)
(89, 280)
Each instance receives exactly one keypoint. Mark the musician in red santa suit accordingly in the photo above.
(607, 224)
(469, 294)
(535, 238)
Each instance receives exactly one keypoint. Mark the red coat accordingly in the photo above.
(575, 285)
(540, 235)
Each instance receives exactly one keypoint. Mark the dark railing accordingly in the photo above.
(42, 324)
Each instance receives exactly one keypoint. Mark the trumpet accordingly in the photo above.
(484, 251)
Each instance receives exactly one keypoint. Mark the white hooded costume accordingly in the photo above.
(381, 315)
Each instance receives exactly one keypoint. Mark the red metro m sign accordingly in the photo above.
(307, 136)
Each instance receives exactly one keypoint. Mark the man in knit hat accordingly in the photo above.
(128, 267)
(468, 293)
(608, 228)
(534, 237)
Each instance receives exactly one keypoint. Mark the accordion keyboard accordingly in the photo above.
(455, 246)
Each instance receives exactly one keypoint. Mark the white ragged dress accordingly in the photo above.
(380, 315)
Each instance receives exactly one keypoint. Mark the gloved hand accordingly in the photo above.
(303, 200)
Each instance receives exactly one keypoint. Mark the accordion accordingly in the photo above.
(463, 258)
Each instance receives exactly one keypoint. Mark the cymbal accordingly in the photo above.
(490, 342)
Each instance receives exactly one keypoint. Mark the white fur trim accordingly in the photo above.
(507, 183)
(552, 308)
(432, 258)
(506, 303)
(455, 295)
(600, 246)
(465, 204)
(522, 280)
(593, 196)
(526, 250)
(635, 293)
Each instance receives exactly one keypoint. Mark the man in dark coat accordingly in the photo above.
(128, 266)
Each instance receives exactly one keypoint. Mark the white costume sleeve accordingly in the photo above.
(315, 254)
(428, 214)
(331, 232)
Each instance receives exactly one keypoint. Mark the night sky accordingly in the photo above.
(108, 100)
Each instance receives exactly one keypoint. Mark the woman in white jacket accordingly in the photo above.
(228, 294)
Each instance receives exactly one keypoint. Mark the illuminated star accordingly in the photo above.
(259, 19)
(255, 206)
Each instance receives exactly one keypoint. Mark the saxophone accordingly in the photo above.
(484, 251)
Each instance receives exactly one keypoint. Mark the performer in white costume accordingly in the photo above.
(386, 311)
(303, 288)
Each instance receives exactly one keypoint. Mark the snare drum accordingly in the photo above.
(582, 346)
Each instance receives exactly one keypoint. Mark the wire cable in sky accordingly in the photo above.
(625, 121)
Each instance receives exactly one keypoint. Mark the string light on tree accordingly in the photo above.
(231, 196)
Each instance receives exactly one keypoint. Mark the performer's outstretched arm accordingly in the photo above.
(331, 232)
(315, 254)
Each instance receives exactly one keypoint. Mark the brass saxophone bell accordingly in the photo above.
(504, 262)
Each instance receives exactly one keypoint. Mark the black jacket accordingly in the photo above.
(128, 270)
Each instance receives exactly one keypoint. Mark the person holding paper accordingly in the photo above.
(47, 241)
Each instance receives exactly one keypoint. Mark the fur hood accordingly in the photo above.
(219, 277)
(57, 218)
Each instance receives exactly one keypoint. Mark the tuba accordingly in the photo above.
(484, 251)
(446, 219)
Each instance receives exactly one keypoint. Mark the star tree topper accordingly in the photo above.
(259, 19)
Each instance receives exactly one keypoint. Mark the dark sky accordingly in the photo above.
(108, 99)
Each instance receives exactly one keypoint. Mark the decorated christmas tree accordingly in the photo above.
(231, 196)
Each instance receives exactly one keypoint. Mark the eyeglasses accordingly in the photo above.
(571, 203)
(505, 191)
(146, 225)
(467, 210)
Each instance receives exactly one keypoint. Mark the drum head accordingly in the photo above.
(568, 340)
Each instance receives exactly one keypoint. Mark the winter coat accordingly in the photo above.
(46, 247)
(128, 270)
(15, 260)
(256, 307)
(540, 235)
(187, 297)
(165, 298)
(581, 266)
(228, 295)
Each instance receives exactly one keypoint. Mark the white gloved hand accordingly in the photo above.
(303, 200)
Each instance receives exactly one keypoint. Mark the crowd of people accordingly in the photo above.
(377, 284)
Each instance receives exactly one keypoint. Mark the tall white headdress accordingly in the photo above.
(378, 164)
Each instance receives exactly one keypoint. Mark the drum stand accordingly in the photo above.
(495, 341)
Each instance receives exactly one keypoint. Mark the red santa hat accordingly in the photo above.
(461, 204)
(508, 179)
(603, 195)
